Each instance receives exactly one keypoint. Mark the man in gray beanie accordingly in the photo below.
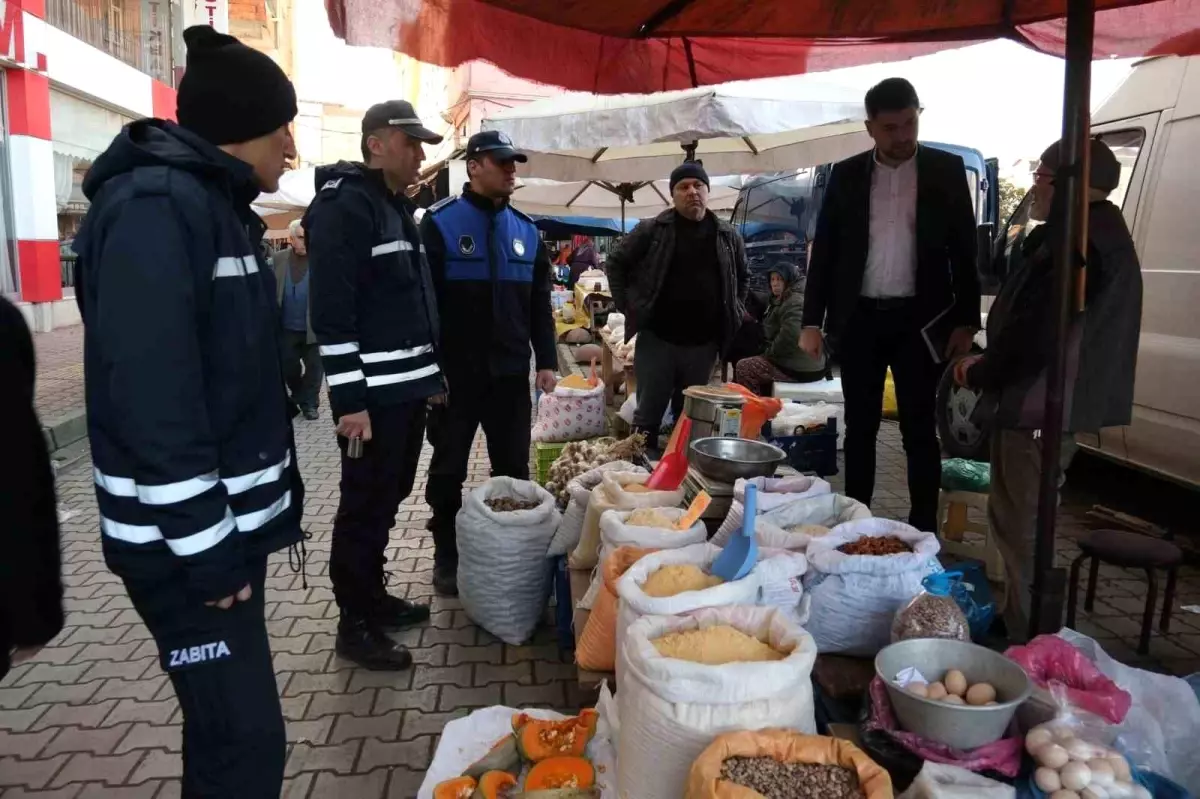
(192, 447)
(681, 280)
(1102, 345)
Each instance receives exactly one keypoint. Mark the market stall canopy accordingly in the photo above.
(738, 128)
(659, 45)
(540, 197)
(561, 227)
(297, 188)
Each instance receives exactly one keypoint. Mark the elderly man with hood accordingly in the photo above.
(1102, 345)
(192, 446)
(783, 359)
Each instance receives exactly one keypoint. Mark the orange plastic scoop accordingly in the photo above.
(669, 473)
(694, 511)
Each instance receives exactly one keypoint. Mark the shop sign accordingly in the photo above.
(14, 24)
(214, 13)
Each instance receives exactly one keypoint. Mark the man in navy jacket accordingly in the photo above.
(492, 276)
(192, 446)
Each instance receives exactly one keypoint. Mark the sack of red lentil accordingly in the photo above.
(859, 575)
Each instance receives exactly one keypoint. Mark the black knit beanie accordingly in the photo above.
(231, 93)
(689, 169)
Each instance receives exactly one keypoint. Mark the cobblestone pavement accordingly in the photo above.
(93, 716)
(59, 372)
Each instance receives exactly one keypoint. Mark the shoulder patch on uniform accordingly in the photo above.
(331, 185)
(440, 204)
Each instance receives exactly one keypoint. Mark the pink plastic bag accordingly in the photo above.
(1051, 661)
(1003, 756)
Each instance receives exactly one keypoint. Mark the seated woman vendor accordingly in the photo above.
(783, 360)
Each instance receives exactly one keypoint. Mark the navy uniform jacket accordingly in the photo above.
(192, 447)
(373, 308)
(492, 276)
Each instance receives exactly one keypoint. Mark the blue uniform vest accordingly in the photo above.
(473, 251)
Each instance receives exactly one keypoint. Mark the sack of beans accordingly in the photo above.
(691, 678)
(859, 575)
(809, 518)
(773, 492)
(784, 763)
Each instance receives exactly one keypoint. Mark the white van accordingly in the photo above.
(1152, 124)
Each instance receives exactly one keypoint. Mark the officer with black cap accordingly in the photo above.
(492, 275)
(375, 318)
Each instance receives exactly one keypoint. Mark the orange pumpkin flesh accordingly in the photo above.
(493, 783)
(457, 788)
(561, 772)
(539, 739)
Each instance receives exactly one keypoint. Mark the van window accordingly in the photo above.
(1126, 145)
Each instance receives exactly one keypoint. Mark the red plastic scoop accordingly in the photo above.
(669, 473)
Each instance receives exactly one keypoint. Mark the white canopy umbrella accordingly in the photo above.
(738, 128)
(297, 188)
(542, 197)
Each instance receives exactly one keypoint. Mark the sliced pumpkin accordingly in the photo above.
(457, 788)
(561, 772)
(538, 739)
(495, 785)
(503, 756)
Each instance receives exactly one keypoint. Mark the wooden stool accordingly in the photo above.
(953, 521)
(1131, 551)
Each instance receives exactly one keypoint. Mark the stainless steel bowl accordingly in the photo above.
(728, 459)
(960, 726)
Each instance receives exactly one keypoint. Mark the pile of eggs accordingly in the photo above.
(1072, 768)
(953, 689)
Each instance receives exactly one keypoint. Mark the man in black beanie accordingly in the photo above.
(192, 446)
(681, 280)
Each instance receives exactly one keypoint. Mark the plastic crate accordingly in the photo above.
(812, 453)
(546, 455)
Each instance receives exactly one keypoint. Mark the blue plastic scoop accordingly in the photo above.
(741, 553)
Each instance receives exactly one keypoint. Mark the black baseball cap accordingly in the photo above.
(496, 144)
(397, 114)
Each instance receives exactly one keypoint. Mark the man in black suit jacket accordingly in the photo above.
(894, 253)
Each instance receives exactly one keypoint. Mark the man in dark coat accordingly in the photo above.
(1102, 346)
(31, 593)
(681, 280)
(192, 447)
(892, 281)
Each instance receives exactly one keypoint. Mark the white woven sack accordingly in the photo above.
(854, 597)
(826, 510)
(633, 603)
(579, 490)
(503, 574)
(671, 709)
(611, 495)
(614, 532)
(570, 414)
(773, 492)
(781, 582)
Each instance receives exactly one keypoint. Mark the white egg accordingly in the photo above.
(1102, 771)
(1120, 767)
(1120, 790)
(1062, 732)
(1094, 791)
(1079, 750)
(1047, 779)
(1036, 738)
(1052, 756)
(1141, 792)
(1075, 776)
(1064, 794)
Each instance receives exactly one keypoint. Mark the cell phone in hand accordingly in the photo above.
(354, 448)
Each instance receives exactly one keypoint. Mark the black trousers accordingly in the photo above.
(502, 405)
(663, 371)
(219, 662)
(874, 340)
(302, 370)
(372, 488)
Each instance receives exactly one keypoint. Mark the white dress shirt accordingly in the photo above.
(892, 235)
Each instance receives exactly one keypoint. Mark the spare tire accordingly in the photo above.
(961, 435)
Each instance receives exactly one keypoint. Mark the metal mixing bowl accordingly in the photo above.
(960, 726)
(728, 459)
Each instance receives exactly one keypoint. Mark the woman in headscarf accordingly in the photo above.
(782, 360)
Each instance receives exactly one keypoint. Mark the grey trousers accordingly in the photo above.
(1012, 514)
(664, 370)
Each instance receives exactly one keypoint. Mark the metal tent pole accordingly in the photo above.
(1070, 200)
